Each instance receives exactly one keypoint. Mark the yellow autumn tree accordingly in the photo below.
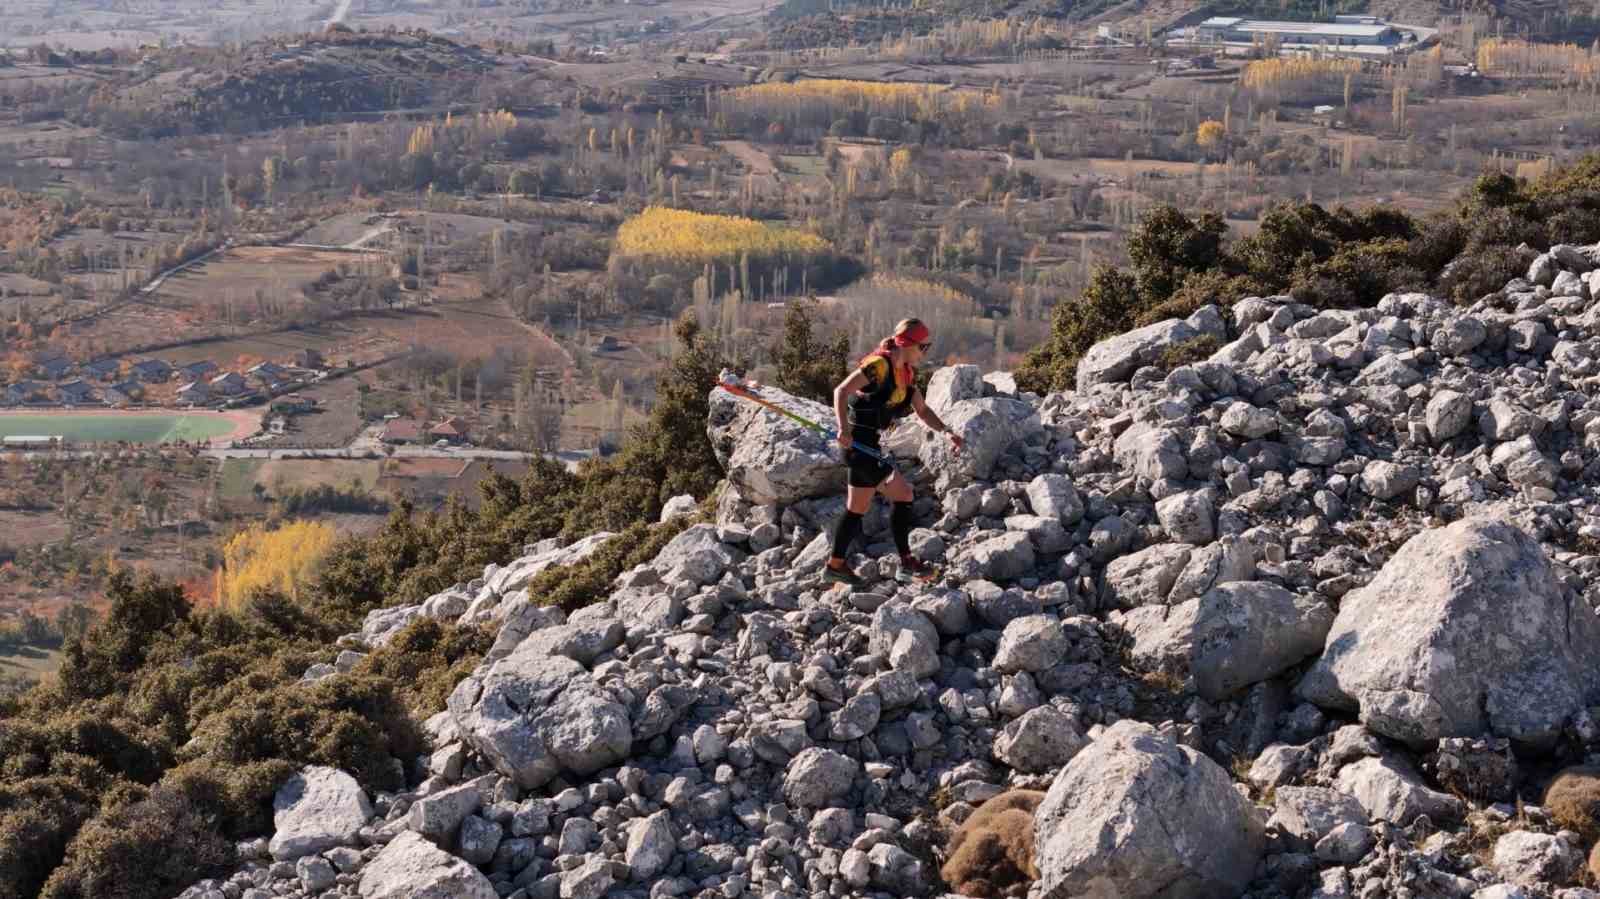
(1499, 57)
(282, 559)
(1209, 134)
(1298, 77)
(682, 236)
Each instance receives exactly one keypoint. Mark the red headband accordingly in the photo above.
(917, 333)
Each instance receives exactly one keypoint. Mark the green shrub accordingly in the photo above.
(575, 586)
(355, 723)
(1188, 352)
(428, 658)
(150, 849)
(808, 365)
(1109, 305)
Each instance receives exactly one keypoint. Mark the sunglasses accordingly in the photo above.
(924, 347)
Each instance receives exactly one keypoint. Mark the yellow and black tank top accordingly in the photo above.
(886, 397)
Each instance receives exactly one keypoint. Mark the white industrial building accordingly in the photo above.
(1356, 35)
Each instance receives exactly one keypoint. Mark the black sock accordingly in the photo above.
(900, 521)
(845, 532)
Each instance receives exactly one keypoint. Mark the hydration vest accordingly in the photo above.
(871, 408)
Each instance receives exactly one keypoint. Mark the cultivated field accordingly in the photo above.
(238, 274)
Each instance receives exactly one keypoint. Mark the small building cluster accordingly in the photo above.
(402, 431)
(56, 380)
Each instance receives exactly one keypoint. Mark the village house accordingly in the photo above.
(102, 369)
(268, 372)
(309, 358)
(55, 368)
(229, 384)
(197, 370)
(402, 430)
(293, 403)
(76, 393)
(152, 371)
(194, 393)
(453, 429)
(124, 393)
(24, 392)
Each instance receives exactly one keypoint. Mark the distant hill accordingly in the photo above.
(317, 77)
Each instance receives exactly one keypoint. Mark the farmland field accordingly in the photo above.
(110, 427)
(31, 662)
(242, 271)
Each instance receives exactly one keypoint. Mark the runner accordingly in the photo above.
(868, 403)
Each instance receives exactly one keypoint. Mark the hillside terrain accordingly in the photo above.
(370, 523)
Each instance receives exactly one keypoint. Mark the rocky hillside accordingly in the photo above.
(1314, 617)
(310, 78)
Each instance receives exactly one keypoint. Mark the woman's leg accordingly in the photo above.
(898, 491)
(856, 503)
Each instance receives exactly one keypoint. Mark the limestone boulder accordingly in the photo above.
(1466, 631)
(533, 715)
(769, 458)
(410, 867)
(1137, 816)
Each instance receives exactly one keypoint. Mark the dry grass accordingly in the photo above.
(991, 854)
(1573, 800)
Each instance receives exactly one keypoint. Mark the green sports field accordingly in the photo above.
(93, 427)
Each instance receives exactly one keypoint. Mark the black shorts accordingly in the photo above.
(865, 471)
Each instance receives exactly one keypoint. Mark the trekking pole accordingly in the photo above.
(749, 393)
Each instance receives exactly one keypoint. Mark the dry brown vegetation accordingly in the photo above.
(1573, 801)
(991, 854)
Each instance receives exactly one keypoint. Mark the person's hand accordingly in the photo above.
(956, 441)
(844, 440)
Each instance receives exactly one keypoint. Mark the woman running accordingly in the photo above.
(869, 402)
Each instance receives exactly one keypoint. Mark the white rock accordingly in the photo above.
(1528, 858)
(1188, 517)
(315, 810)
(1465, 631)
(410, 867)
(1039, 741)
(1390, 791)
(1107, 826)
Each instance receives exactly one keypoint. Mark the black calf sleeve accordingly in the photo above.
(900, 521)
(845, 532)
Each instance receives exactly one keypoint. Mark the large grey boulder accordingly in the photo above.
(516, 575)
(953, 384)
(533, 715)
(1054, 496)
(988, 427)
(1136, 815)
(382, 625)
(317, 809)
(902, 633)
(1530, 858)
(1307, 815)
(1041, 740)
(818, 778)
(768, 457)
(1389, 790)
(1117, 358)
(698, 554)
(410, 867)
(1465, 631)
(1236, 635)
(1143, 578)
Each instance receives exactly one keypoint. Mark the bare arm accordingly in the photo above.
(841, 404)
(932, 419)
